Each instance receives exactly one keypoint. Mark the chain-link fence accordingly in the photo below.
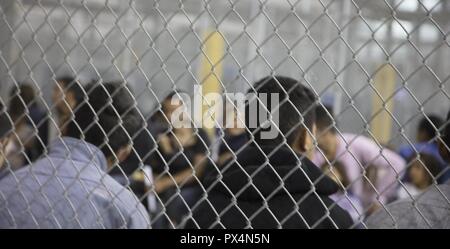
(164, 82)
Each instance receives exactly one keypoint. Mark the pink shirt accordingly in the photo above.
(356, 152)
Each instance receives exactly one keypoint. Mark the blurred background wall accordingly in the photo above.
(337, 47)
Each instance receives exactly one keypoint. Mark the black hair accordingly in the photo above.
(108, 118)
(5, 122)
(70, 84)
(430, 162)
(159, 115)
(427, 126)
(168, 98)
(27, 93)
(171, 95)
(17, 107)
(296, 108)
(325, 118)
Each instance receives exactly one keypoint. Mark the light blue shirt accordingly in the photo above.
(68, 188)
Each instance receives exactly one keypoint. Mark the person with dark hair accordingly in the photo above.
(135, 171)
(272, 183)
(143, 146)
(426, 142)
(180, 162)
(359, 155)
(24, 138)
(430, 209)
(234, 136)
(37, 120)
(6, 128)
(426, 130)
(67, 94)
(423, 171)
(70, 188)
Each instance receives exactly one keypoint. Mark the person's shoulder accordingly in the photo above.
(353, 142)
(33, 177)
(125, 200)
(410, 212)
(121, 193)
(436, 194)
(116, 189)
(391, 215)
(406, 149)
(12, 178)
(17, 187)
(356, 139)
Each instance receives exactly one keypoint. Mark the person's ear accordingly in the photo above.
(300, 142)
(445, 153)
(305, 141)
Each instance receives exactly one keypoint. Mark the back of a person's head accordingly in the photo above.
(296, 109)
(325, 118)
(72, 85)
(6, 126)
(430, 126)
(108, 118)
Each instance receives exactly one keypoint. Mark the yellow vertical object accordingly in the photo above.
(384, 83)
(210, 75)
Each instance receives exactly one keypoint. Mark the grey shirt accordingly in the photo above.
(68, 189)
(430, 209)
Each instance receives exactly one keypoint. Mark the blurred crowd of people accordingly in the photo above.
(91, 159)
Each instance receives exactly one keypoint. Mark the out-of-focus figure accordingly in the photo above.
(423, 170)
(37, 119)
(234, 134)
(67, 94)
(6, 129)
(426, 142)
(69, 188)
(361, 157)
(24, 136)
(136, 172)
(180, 162)
(429, 209)
(344, 197)
(269, 185)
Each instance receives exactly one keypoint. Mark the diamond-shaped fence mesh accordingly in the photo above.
(136, 113)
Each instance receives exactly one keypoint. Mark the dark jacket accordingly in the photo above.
(276, 177)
